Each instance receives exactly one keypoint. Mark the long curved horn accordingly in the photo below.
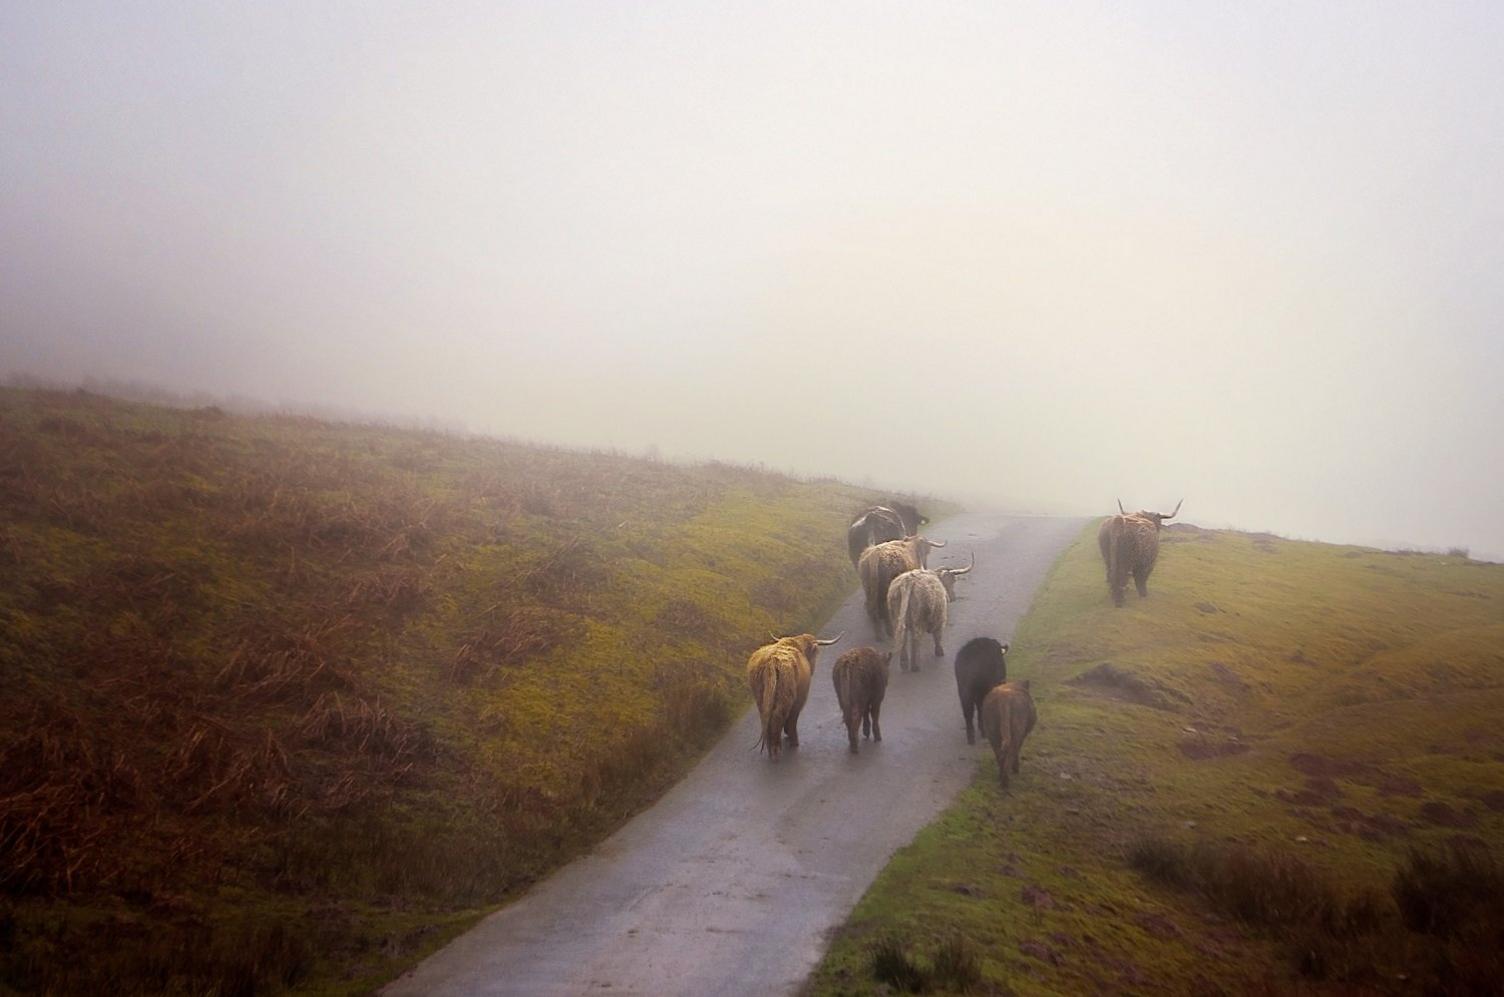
(826, 643)
(934, 543)
(1120, 507)
(1177, 509)
(962, 571)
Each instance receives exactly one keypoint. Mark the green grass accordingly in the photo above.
(288, 703)
(1291, 736)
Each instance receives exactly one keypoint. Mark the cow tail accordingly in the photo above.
(844, 693)
(901, 626)
(767, 705)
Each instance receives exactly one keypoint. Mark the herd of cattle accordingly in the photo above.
(905, 599)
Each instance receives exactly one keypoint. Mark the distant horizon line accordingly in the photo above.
(238, 403)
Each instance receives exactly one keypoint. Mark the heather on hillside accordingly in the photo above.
(288, 701)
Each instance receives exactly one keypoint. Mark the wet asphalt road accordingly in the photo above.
(731, 882)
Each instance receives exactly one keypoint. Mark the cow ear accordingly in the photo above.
(1005, 648)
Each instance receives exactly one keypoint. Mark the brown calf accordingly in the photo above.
(861, 679)
(1007, 717)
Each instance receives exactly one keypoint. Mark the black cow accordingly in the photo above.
(980, 665)
(881, 523)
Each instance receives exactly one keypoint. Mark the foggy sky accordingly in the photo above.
(1038, 254)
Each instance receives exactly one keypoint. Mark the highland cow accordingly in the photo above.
(918, 603)
(1129, 543)
(884, 562)
(1007, 718)
(778, 675)
(878, 524)
(981, 666)
(861, 679)
(912, 518)
(882, 523)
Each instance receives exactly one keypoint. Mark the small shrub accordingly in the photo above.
(891, 965)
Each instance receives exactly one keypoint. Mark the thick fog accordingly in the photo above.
(1041, 255)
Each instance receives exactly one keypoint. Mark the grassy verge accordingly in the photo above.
(288, 703)
(1274, 774)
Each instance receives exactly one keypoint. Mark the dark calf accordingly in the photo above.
(980, 665)
(861, 680)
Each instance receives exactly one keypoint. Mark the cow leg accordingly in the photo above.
(1141, 581)
(1016, 749)
(877, 727)
(939, 651)
(867, 722)
(851, 726)
(791, 730)
(966, 711)
(913, 651)
(1000, 752)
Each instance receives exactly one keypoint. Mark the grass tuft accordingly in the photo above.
(957, 967)
(1447, 891)
(892, 966)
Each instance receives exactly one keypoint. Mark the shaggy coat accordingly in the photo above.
(981, 665)
(1129, 546)
(1007, 718)
(882, 563)
(1129, 543)
(878, 524)
(917, 604)
(778, 675)
(861, 679)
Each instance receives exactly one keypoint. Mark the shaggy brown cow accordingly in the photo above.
(884, 562)
(1007, 717)
(861, 680)
(1130, 545)
(981, 666)
(778, 675)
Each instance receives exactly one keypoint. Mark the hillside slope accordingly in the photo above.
(287, 702)
(1225, 780)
